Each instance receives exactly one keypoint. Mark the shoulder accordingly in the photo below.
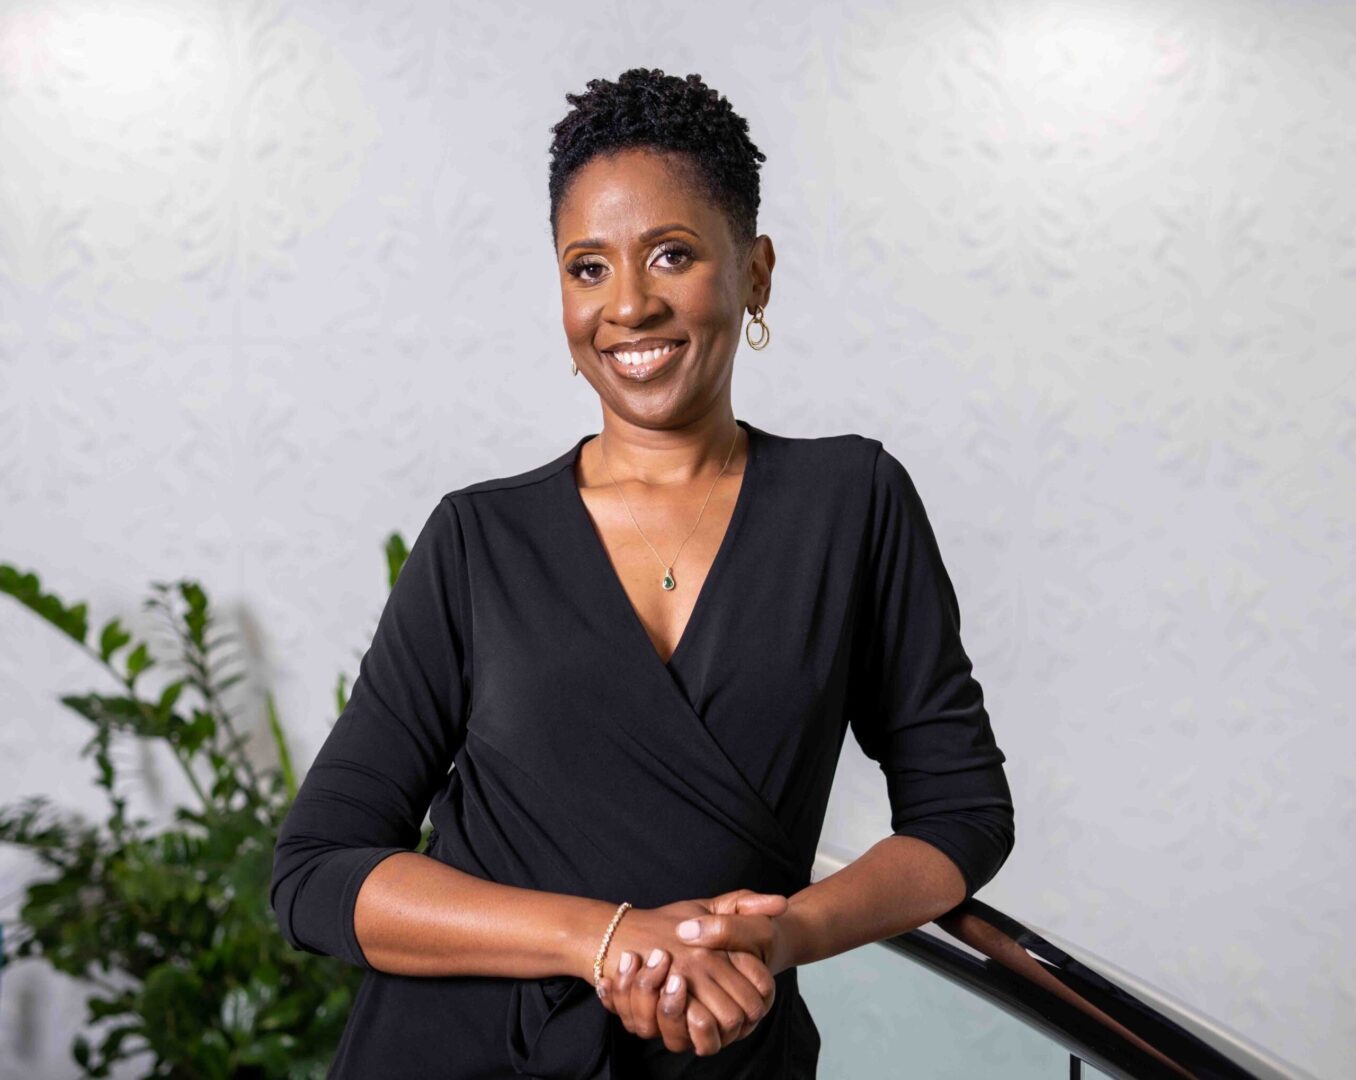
(873, 479)
(862, 463)
(884, 473)
(523, 488)
(844, 457)
(850, 481)
(512, 482)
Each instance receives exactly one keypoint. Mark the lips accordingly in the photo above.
(639, 365)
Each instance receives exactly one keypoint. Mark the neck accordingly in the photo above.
(663, 456)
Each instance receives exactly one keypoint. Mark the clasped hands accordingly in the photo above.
(705, 992)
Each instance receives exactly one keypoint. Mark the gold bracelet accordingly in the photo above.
(607, 940)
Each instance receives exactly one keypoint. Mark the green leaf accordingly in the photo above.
(341, 695)
(280, 741)
(138, 661)
(396, 554)
(26, 588)
(197, 617)
(80, 1051)
(272, 1053)
(102, 1008)
(168, 697)
(120, 714)
(110, 1049)
(113, 638)
(198, 732)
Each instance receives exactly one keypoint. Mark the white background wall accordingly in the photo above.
(273, 277)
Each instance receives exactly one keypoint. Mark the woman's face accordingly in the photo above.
(646, 264)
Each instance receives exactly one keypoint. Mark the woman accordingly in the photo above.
(643, 657)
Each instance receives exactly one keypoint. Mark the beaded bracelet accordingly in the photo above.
(607, 940)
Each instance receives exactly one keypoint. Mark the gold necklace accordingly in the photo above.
(669, 583)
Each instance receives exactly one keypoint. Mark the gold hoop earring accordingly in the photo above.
(765, 336)
(574, 368)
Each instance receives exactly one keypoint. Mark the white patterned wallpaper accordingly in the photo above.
(273, 277)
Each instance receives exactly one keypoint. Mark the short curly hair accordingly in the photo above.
(648, 109)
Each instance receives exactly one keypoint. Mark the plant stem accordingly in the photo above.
(145, 709)
(188, 772)
(198, 661)
(236, 741)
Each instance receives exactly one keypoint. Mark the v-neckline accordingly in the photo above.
(612, 581)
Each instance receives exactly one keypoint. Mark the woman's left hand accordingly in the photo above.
(640, 999)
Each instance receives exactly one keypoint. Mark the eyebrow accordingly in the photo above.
(645, 237)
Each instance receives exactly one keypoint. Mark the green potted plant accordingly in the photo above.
(171, 927)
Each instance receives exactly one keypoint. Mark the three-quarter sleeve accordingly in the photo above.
(366, 794)
(914, 705)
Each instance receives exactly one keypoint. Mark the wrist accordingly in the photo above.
(795, 939)
(581, 933)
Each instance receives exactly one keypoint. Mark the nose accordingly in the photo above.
(631, 299)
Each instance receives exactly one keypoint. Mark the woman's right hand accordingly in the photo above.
(648, 1007)
(721, 994)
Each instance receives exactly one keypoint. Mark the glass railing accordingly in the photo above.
(978, 994)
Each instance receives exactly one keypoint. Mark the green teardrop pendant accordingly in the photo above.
(669, 583)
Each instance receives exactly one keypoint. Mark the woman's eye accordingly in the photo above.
(681, 251)
(577, 268)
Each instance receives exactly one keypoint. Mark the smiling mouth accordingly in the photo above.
(644, 364)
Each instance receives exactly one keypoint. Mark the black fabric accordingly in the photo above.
(508, 648)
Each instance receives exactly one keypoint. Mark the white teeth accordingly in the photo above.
(646, 357)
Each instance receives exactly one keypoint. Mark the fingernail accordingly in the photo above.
(689, 929)
(656, 956)
(671, 987)
(625, 963)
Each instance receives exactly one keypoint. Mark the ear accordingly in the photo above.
(762, 258)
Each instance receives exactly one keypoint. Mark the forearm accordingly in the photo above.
(415, 915)
(898, 884)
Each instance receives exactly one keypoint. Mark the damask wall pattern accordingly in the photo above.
(274, 276)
